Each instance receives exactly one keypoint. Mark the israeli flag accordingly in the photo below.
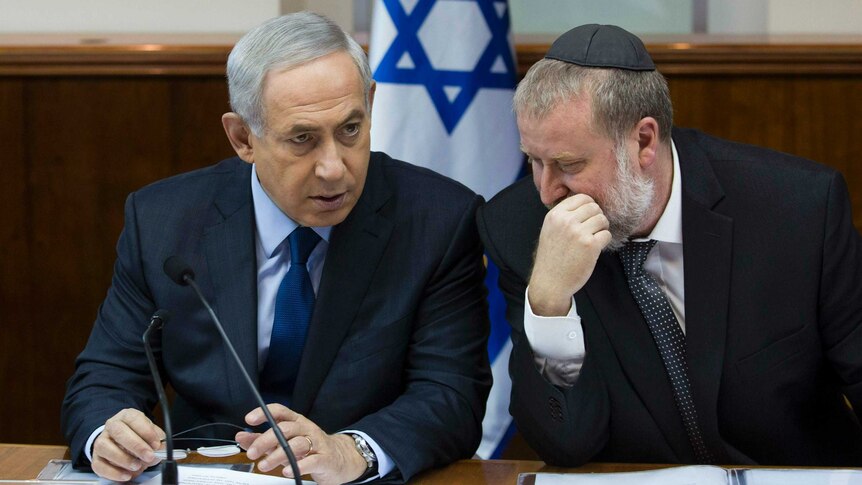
(445, 73)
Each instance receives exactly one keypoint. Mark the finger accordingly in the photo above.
(604, 237)
(279, 412)
(585, 211)
(310, 466)
(245, 439)
(596, 224)
(119, 432)
(283, 413)
(302, 446)
(146, 429)
(255, 417)
(112, 472)
(267, 445)
(573, 202)
(113, 459)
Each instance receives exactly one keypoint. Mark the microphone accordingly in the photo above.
(182, 274)
(170, 475)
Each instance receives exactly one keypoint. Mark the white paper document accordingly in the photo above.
(61, 471)
(222, 476)
(700, 475)
(686, 475)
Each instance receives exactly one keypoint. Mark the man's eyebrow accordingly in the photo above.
(559, 155)
(300, 128)
(354, 114)
(303, 128)
(567, 156)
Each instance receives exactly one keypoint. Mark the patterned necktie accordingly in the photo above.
(668, 337)
(294, 303)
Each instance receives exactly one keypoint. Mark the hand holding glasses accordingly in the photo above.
(230, 447)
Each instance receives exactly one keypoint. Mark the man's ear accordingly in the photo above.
(648, 141)
(371, 91)
(239, 135)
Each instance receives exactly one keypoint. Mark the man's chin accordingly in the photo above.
(328, 217)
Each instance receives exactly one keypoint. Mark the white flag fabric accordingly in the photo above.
(446, 73)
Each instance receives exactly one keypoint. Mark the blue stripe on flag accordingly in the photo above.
(504, 442)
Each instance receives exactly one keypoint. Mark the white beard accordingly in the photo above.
(626, 201)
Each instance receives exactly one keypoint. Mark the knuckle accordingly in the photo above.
(583, 199)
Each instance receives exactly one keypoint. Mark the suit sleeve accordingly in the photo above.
(565, 426)
(841, 293)
(438, 417)
(111, 373)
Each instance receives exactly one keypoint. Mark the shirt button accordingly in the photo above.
(572, 335)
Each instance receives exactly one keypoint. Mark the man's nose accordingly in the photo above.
(330, 165)
(551, 187)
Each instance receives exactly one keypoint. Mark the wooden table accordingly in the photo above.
(23, 462)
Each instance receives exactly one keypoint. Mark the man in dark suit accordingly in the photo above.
(393, 374)
(674, 297)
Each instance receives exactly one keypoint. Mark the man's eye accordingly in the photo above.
(571, 167)
(301, 138)
(351, 129)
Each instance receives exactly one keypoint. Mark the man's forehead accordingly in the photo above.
(332, 75)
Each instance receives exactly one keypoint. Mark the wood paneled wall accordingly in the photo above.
(84, 124)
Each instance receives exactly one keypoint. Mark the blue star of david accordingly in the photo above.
(407, 41)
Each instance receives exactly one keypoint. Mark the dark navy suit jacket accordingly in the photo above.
(396, 346)
(773, 307)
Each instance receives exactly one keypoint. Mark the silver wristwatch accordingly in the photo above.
(363, 449)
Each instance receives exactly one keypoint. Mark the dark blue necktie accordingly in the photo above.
(668, 337)
(294, 304)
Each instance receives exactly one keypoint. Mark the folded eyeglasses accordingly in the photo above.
(230, 447)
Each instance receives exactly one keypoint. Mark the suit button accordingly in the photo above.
(556, 409)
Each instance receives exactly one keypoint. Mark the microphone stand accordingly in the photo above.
(182, 274)
(170, 474)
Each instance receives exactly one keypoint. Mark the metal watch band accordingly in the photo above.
(363, 449)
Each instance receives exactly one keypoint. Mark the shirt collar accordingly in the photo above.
(273, 225)
(669, 226)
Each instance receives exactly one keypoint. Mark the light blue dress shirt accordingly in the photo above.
(272, 226)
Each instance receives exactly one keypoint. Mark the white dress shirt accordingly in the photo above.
(558, 342)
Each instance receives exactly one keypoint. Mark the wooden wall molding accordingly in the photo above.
(180, 55)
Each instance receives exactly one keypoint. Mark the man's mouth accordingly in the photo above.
(329, 202)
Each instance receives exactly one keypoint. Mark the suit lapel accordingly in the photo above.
(355, 248)
(707, 245)
(606, 294)
(229, 249)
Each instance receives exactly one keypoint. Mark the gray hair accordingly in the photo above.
(282, 43)
(620, 98)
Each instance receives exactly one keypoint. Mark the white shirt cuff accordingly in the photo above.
(88, 448)
(384, 463)
(558, 338)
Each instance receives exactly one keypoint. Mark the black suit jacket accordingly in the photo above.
(396, 345)
(773, 305)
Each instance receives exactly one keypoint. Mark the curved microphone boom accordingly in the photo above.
(169, 466)
(182, 274)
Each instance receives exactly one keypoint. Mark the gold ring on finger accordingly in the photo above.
(310, 445)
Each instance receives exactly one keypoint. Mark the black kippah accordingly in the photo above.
(596, 45)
